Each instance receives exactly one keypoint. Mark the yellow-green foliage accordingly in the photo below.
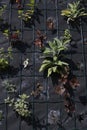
(26, 15)
(73, 11)
(52, 57)
(2, 8)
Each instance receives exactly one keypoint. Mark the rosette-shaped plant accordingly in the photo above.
(53, 58)
(73, 11)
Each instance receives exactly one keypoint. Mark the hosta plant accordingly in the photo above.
(53, 58)
(73, 11)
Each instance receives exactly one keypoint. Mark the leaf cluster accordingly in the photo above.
(53, 58)
(1, 115)
(4, 57)
(20, 105)
(73, 11)
(67, 36)
(10, 88)
(26, 15)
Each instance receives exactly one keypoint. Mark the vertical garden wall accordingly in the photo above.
(43, 76)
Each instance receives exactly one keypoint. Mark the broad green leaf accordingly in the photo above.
(49, 72)
(46, 61)
(51, 45)
(43, 67)
(55, 58)
(47, 51)
(57, 41)
(54, 68)
(66, 42)
(20, 11)
(62, 63)
(65, 12)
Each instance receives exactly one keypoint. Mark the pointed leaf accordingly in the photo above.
(54, 68)
(49, 72)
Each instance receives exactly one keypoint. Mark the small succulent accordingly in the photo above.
(10, 101)
(20, 105)
(73, 11)
(11, 88)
